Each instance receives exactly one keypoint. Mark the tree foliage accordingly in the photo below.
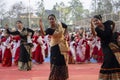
(16, 9)
(40, 8)
(2, 8)
(76, 9)
(72, 12)
(105, 6)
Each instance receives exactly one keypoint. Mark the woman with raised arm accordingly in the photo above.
(110, 69)
(59, 68)
(24, 62)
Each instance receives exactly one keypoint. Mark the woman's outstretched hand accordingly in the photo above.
(93, 28)
(41, 26)
(92, 23)
(40, 22)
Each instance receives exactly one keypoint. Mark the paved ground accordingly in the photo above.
(41, 72)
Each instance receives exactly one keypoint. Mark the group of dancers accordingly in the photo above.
(101, 44)
(83, 48)
(10, 48)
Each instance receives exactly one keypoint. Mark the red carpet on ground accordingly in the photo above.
(41, 72)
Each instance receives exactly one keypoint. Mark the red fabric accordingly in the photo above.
(17, 53)
(11, 39)
(0, 55)
(78, 59)
(95, 51)
(118, 33)
(35, 39)
(69, 53)
(84, 42)
(7, 58)
(87, 52)
(16, 38)
(38, 54)
(3, 39)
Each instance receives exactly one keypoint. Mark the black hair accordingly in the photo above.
(19, 21)
(64, 25)
(52, 16)
(98, 17)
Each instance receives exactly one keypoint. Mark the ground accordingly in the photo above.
(41, 72)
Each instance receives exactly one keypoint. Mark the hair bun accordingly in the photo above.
(98, 17)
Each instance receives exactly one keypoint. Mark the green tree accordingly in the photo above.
(108, 7)
(63, 10)
(56, 6)
(17, 9)
(86, 13)
(102, 6)
(116, 6)
(40, 8)
(76, 9)
(2, 11)
(40, 12)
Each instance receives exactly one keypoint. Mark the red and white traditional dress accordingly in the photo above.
(80, 51)
(87, 50)
(34, 40)
(95, 48)
(38, 52)
(0, 53)
(72, 51)
(7, 55)
(100, 53)
(16, 49)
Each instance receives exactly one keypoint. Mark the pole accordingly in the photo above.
(29, 14)
(95, 7)
(1, 21)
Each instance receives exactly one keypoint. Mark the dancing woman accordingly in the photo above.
(24, 62)
(110, 69)
(59, 69)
